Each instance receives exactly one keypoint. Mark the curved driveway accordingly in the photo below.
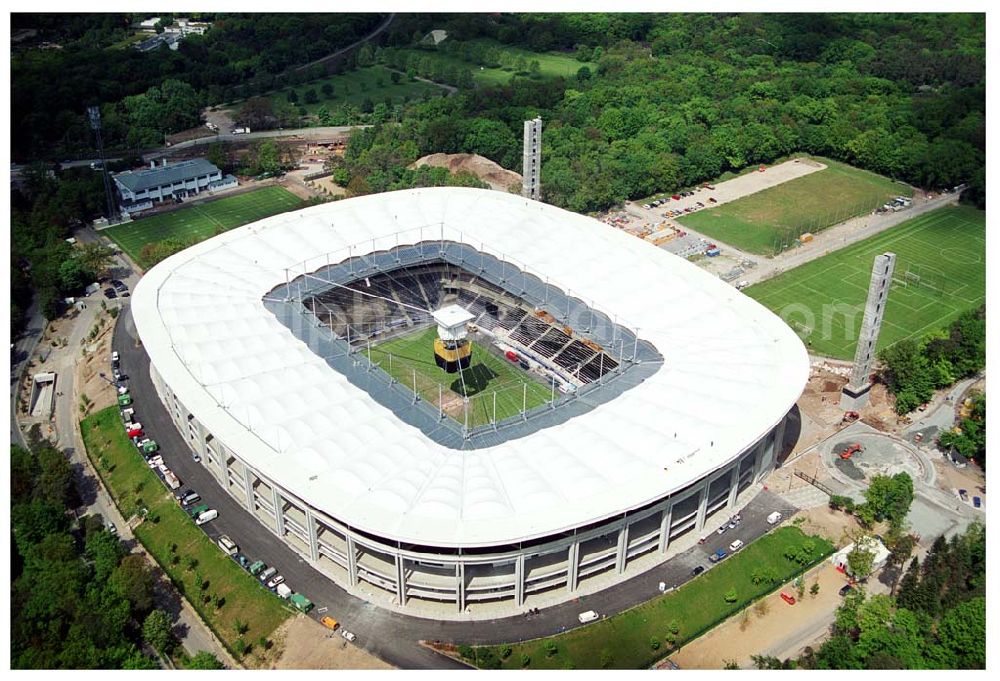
(393, 636)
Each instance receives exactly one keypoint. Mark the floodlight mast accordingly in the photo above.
(94, 115)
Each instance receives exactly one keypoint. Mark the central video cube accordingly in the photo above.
(452, 350)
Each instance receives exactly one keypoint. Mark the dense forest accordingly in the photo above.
(146, 94)
(935, 620)
(660, 102)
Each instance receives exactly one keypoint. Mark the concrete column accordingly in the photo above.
(622, 548)
(702, 506)
(352, 561)
(734, 484)
(460, 585)
(573, 569)
(400, 581)
(313, 539)
(779, 438)
(758, 461)
(668, 516)
(279, 511)
(519, 581)
(247, 487)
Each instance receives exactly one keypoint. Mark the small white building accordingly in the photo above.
(872, 544)
(149, 24)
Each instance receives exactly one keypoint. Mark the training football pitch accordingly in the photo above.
(202, 220)
(769, 221)
(940, 272)
(412, 357)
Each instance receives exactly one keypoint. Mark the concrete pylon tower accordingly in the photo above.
(855, 394)
(531, 168)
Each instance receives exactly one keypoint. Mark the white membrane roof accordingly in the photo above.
(731, 371)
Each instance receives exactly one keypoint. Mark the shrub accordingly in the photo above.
(505, 652)
(607, 658)
(525, 660)
(654, 643)
(731, 596)
(466, 652)
(551, 648)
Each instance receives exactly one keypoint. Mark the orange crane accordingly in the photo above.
(851, 451)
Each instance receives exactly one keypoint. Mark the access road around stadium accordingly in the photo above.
(390, 635)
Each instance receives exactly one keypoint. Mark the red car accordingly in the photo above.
(676, 197)
(788, 598)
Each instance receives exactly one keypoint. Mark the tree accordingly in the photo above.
(133, 580)
(293, 96)
(157, 631)
(860, 561)
(583, 74)
(204, 660)
(889, 498)
(327, 88)
(962, 630)
(95, 258)
(311, 97)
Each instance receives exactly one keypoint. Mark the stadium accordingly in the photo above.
(462, 398)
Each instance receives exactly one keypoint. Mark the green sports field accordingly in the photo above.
(487, 374)
(354, 87)
(940, 272)
(769, 221)
(201, 221)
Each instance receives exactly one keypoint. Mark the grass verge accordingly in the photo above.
(940, 272)
(185, 553)
(637, 638)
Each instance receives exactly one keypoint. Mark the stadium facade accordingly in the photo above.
(674, 390)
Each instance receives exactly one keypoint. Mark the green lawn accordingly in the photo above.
(135, 486)
(625, 641)
(487, 374)
(823, 300)
(551, 64)
(770, 220)
(201, 221)
(373, 82)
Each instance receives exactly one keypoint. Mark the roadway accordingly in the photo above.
(390, 635)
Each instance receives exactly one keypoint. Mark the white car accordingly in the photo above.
(274, 582)
(348, 635)
(736, 545)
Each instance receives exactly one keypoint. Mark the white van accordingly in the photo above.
(227, 545)
(773, 518)
(283, 591)
(588, 616)
(736, 545)
(210, 514)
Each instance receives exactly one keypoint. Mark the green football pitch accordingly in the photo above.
(202, 220)
(940, 272)
(412, 358)
(769, 221)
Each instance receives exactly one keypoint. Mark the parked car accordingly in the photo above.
(114, 357)
(190, 497)
(110, 293)
(273, 583)
(736, 545)
(977, 502)
(329, 623)
(846, 589)
(197, 457)
(588, 616)
(722, 529)
(717, 556)
(207, 516)
(348, 635)
(698, 570)
(242, 560)
(119, 285)
(258, 567)
(267, 574)
(963, 494)
(788, 598)
(112, 529)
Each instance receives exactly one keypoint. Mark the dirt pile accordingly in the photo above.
(486, 170)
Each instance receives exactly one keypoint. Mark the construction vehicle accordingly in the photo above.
(851, 451)
(850, 417)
